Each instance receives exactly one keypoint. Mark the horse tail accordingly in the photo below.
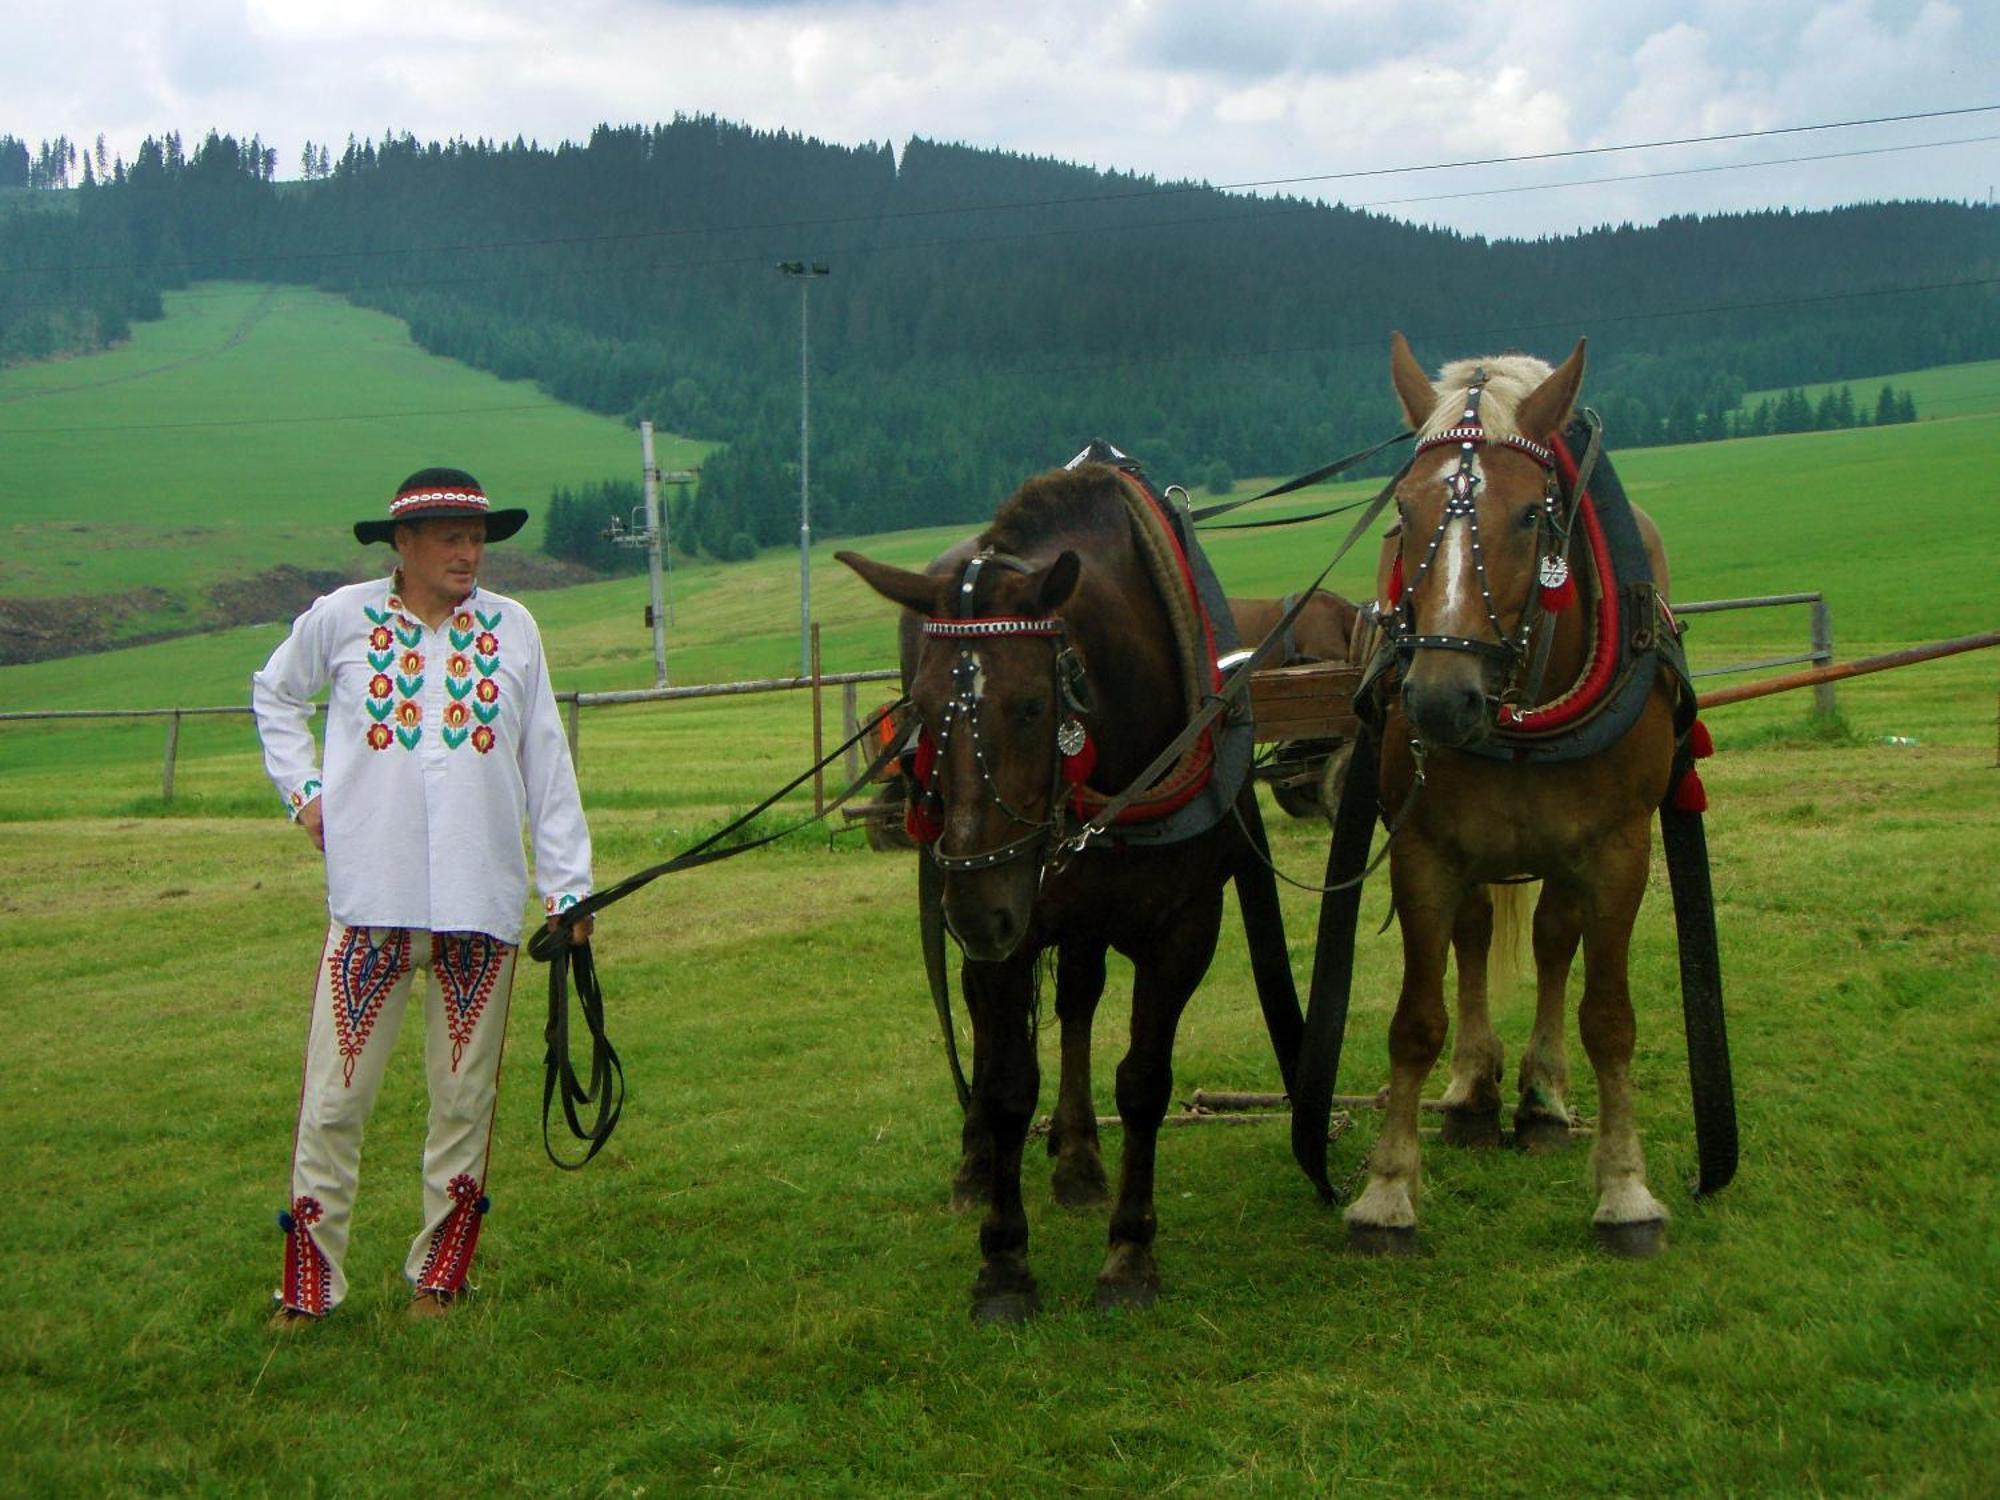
(1511, 911)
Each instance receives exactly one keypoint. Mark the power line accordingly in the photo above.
(1155, 192)
(1205, 356)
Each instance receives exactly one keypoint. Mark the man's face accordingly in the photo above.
(440, 556)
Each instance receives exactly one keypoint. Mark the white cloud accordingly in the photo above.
(1256, 91)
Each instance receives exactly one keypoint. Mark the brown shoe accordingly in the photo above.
(428, 1306)
(290, 1320)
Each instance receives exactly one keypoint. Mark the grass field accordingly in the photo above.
(1951, 391)
(758, 1289)
(241, 431)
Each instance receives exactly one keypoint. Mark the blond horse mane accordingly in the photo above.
(1509, 380)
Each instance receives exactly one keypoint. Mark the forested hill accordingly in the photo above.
(984, 313)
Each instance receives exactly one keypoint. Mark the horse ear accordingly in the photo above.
(917, 591)
(1055, 583)
(1547, 407)
(1413, 387)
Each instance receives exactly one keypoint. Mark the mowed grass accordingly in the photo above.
(758, 1288)
(1947, 391)
(249, 428)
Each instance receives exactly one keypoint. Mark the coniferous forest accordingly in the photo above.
(982, 314)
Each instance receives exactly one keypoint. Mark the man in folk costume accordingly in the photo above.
(442, 738)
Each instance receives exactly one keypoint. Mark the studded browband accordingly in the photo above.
(1472, 432)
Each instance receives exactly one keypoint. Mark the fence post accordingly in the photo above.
(1822, 648)
(570, 716)
(173, 748)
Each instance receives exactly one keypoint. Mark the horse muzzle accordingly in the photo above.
(990, 912)
(1451, 714)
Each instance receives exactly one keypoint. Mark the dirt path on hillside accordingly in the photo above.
(256, 314)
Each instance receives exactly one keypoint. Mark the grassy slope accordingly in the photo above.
(247, 429)
(1950, 391)
(757, 1288)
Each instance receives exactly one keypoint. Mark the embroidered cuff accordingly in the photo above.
(562, 901)
(300, 796)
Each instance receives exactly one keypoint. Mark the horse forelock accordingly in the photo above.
(1508, 378)
(1055, 505)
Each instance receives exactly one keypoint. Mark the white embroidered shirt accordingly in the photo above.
(439, 743)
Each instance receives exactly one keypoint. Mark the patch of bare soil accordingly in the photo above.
(523, 572)
(45, 629)
(277, 595)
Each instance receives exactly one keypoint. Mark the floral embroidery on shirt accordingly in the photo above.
(474, 632)
(304, 794)
(393, 644)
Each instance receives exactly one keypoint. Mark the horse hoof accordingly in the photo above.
(1080, 1187)
(1006, 1308)
(1112, 1294)
(1641, 1240)
(1475, 1128)
(1382, 1239)
(1540, 1135)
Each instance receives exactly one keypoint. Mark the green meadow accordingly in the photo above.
(1949, 391)
(758, 1287)
(246, 430)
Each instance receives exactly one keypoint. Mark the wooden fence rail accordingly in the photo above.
(1820, 679)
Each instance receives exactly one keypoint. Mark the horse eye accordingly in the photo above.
(1531, 518)
(1030, 710)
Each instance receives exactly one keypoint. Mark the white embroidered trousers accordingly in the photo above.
(365, 979)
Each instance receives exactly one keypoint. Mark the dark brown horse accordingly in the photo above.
(1049, 628)
(1477, 507)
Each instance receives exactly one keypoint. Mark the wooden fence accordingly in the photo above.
(1819, 654)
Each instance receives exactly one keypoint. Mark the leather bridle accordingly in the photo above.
(1462, 486)
(961, 715)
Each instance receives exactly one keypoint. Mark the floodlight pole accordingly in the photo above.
(805, 275)
(657, 615)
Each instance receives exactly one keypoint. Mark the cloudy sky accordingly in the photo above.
(1239, 92)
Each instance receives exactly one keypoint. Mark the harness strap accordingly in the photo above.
(1236, 685)
(1579, 491)
(1324, 472)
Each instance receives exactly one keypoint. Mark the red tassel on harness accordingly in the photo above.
(1701, 744)
(1689, 794)
(1396, 582)
(1558, 586)
(1076, 768)
(920, 811)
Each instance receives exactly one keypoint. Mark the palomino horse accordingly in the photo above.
(1479, 515)
(1045, 644)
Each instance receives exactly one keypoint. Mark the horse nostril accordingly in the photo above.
(1001, 929)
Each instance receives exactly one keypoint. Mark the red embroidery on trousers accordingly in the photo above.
(467, 965)
(307, 1274)
(450, 1254)
(362, 975)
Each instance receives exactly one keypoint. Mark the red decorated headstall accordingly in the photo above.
(1076, 752)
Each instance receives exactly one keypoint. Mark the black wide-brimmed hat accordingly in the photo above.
(440, 492)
